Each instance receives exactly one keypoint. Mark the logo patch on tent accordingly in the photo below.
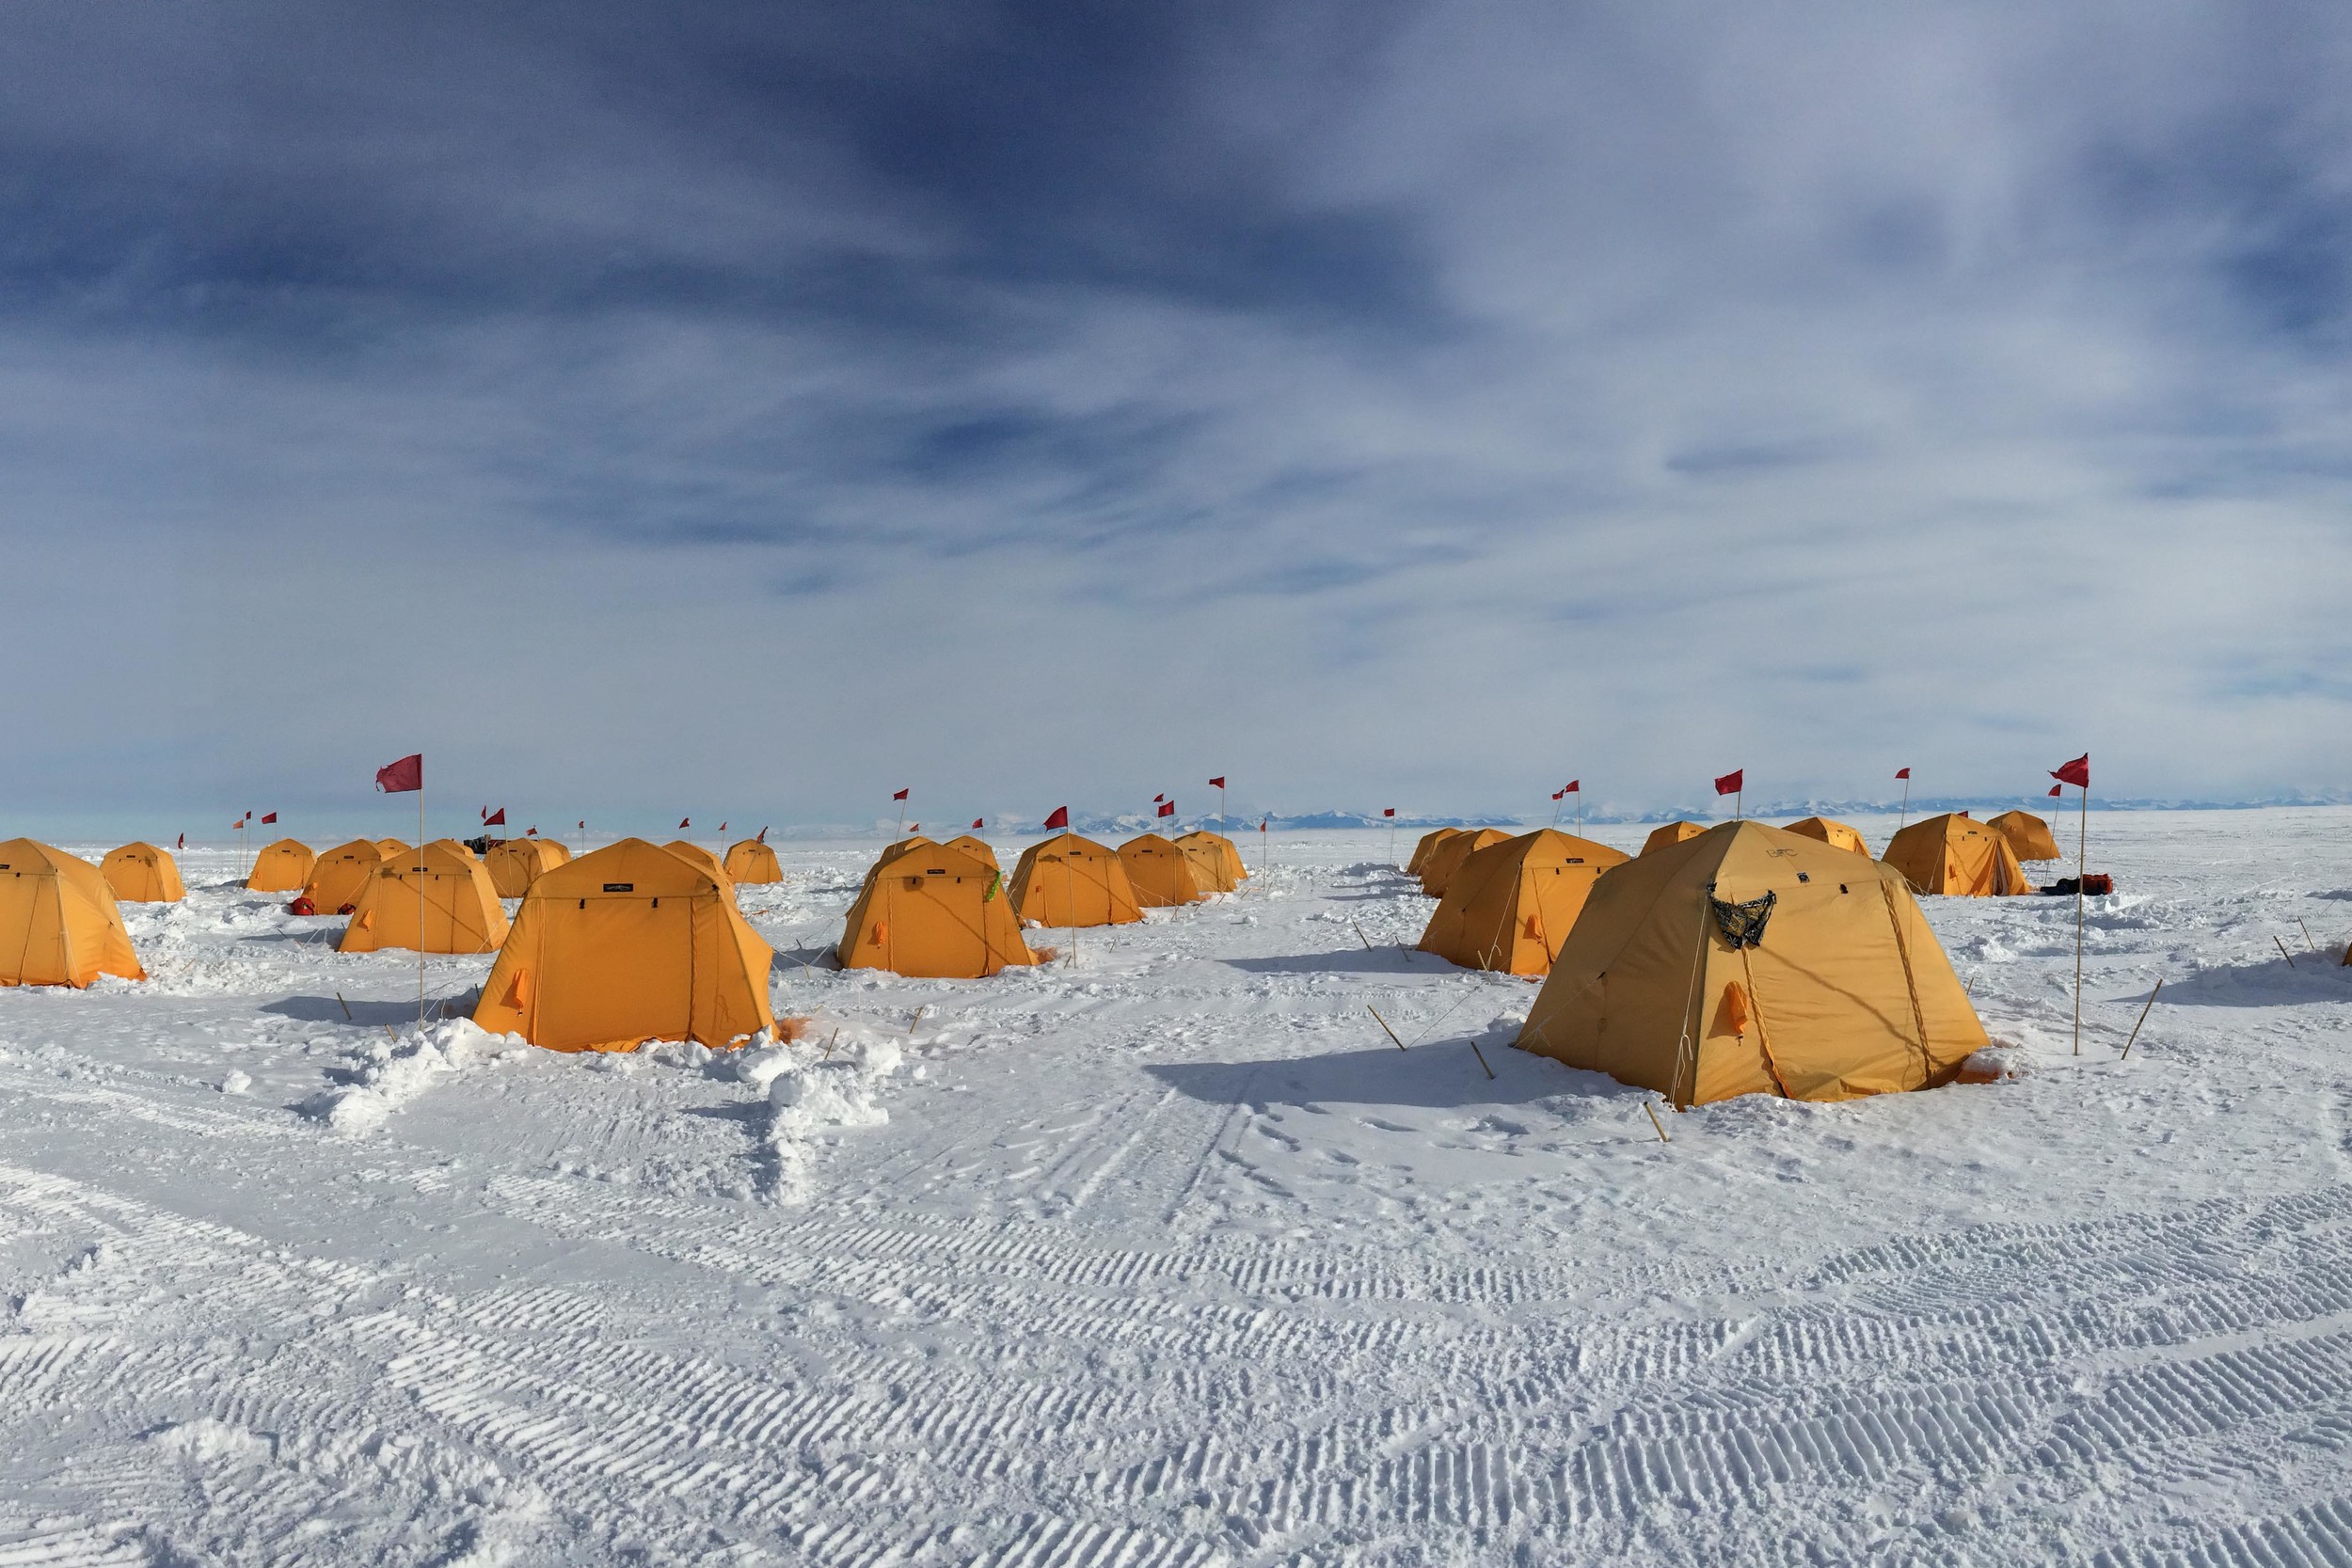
(620, 887)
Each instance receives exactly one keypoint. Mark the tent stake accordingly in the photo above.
(2283, 951)
(2307, 935)
(829, 1043)
(1384, 1024)
(1360, 937)
(1481, 1059)
(917, 1019)
(347, 1006)
(2143, 1018)
(1655, 1122)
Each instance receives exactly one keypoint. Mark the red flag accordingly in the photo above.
(1388, 811)
(1060, 818)
(485, 811)
(763, 836)
(1262, 825)
(976, 824)
(496, 820)
(1575, 787)
(233, 826)
(183, 841)
(1731, 783)
(1559, 794)
(1159, 797)
(915, 826)
(1168, 808)
(531, 833)
(271, 817)
(1217, 784)
(901, 795)
(395, 777)
(684, 823)
(2057, 791)
(723, 827)
(1902, 772)
(583, 827)
(2076, 772)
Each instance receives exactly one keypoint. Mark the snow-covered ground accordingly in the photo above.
(1166, 1255)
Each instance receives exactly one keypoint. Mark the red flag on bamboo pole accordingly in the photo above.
(1217, 784)
(1731, 783)
(900, 794)
(183, 841)
(1168, 808)
(1388, 811)
(1059, 819)
(1902, 772)
(2076, 772)
(2057, 791)
(684, 823)
(398, 778)
(976, 824)
(496, 820)
(271, 817)
(763, 836)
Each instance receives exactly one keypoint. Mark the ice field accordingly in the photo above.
(1166, 1255)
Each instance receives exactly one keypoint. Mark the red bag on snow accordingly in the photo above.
(302, 906)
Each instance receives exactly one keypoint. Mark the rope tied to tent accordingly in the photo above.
(1742, 924)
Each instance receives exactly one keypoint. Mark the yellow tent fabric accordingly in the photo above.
(391, 847)
(281, 867)
(1834, 834)
(432, 897)
(704, 858)
(752, 861)
(1161, 874)
(1437, 872)
(626, 944)
(562, 850)
(1673, 832)
(1843, 993)
(1070, 882)
(2029, 837)
(979, 849)
(1512, 904)
(1220, 854)
(1212, 861)
(59, 923)
(933, 913)
(1429, 841)
(141, 874)
(338, 875)
(516, 864)
(1951, 854)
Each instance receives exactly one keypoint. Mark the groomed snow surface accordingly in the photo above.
(1166, 1255)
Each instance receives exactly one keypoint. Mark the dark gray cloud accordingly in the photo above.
(760, 402)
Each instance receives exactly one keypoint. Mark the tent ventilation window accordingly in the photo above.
(1742, 924)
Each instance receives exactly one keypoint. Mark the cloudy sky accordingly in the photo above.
(750, 410)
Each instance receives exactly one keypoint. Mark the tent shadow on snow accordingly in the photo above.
(1358, 960)
(2317, 978)
(372, 1015)
(1440, 1074)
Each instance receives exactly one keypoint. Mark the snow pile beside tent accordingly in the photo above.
(393, 1071)
(811, 1093)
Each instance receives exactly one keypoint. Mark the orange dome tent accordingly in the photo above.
(437, 898)
(1219, 854)
(929, 911)
(1512, 904)
(59, 923)
(1437, 872)
(979, 849)
(751, 861)
(2029, 837)
(516, 864)
(1755, 960)
(338, 875)
(705, 859)
(281, 867)
(142, 874)
(1834, 834)
(1429, 841)
(1954, 855)
(1071, 881)
(391, 847)
(632, 943)
(1161, 874)
(1673, 832)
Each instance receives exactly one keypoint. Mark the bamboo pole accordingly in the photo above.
(1481, 1059)
(1360, 937)
(2143, 1018)
(1384, 1024)
(2307, 935)
(2082, 845)
(1655, 1122)
(2283, 951)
